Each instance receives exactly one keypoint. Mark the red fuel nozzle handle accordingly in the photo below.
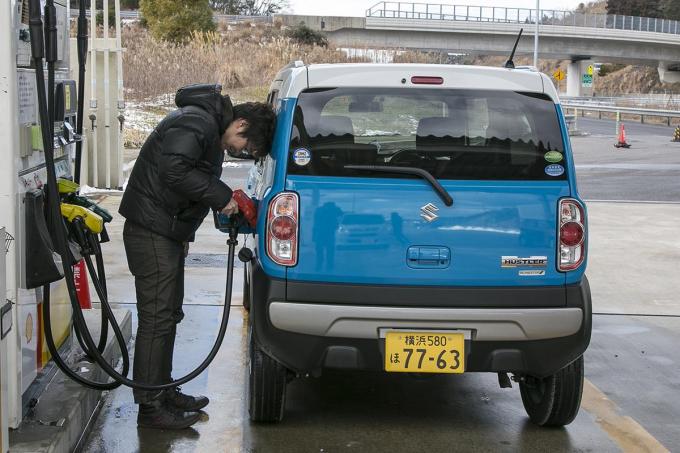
(246, 206)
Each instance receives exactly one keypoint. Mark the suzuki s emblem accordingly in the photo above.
(429, 212)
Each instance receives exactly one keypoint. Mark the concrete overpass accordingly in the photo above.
(491, 31)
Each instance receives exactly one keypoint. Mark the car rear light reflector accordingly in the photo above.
(427, 80)
(571, 235)
(282, 229)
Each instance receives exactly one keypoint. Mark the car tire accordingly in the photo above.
(246, 290)
(267, 379)
(554, 400)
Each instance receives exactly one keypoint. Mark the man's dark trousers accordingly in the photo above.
(157, 262)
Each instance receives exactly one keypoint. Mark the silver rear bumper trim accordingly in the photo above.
(486, 324)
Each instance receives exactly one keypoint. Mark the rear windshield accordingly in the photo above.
(453, 134)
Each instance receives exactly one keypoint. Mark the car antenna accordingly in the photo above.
(511, 64)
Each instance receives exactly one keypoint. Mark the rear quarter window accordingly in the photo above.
(453, 134)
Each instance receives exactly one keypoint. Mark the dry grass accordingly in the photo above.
(242, 58)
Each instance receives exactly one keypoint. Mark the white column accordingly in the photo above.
(574, 71)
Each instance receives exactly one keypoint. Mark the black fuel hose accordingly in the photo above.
(53, 211)
(90, 245)
(51, 56)
(101, 361)
(37, 50)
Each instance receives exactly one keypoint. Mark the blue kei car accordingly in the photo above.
(418, 219)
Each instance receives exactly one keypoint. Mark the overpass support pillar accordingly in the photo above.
(574, 72)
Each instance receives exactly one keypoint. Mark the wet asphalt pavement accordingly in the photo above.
(631, 398)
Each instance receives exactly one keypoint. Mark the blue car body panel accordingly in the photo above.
(488, 220)
(364, 230)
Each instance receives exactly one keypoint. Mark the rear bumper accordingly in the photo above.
(485, 324)
(308, 336)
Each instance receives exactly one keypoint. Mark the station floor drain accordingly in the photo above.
(206, 260)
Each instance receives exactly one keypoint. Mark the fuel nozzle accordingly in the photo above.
(242, 222)
(246, 206)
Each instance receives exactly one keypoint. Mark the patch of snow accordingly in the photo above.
(231, 165)
(127, 167)
(87, 190)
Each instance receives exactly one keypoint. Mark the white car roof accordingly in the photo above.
(293, 79)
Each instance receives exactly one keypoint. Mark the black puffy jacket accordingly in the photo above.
(176, 178)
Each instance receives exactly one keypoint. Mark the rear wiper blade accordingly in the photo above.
(426, 175)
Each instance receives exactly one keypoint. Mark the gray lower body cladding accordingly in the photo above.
(309, 345)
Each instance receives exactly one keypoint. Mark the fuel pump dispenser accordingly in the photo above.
(23, 175)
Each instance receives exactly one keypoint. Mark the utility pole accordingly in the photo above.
(538, 13)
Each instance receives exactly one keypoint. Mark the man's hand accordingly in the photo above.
(231, 208)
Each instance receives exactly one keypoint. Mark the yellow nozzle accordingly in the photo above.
(92, 221)
(67, 186)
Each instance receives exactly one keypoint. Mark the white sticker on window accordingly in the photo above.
(302, 157)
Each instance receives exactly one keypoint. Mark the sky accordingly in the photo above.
(359, 7)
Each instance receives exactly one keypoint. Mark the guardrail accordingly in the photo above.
(435, 11)
(134, 14)
(665, 101)
(581, 108)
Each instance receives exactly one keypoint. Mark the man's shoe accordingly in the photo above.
(179, 400)
(159, 415)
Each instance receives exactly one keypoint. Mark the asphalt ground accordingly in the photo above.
(631, 401)
(647, 171)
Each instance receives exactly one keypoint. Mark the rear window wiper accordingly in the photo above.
(426, 175)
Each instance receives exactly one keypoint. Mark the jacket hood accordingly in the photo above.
(209, 98)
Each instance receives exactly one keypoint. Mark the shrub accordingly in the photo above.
(176, 20)
(607, 69)
(304, 35)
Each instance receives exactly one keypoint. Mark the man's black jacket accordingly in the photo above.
(176, 178)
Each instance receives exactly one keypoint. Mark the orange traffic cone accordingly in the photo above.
(622, 143)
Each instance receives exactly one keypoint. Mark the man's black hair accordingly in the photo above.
(261, 122)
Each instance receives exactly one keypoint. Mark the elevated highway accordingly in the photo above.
(491, 31)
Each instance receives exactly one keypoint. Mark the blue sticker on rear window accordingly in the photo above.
(302, 156)
(554, 170)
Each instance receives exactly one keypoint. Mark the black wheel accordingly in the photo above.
(267, 386)
(554, 400)
(246, 290)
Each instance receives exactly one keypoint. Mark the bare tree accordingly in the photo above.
(248, 7)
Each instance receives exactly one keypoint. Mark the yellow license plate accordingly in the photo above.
(424, 352)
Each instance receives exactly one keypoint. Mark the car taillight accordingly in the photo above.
(571, 246)
(282, 229)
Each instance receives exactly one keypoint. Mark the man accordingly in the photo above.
(174, 184)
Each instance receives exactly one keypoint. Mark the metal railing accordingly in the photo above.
(658, 101)
(432, 11)
(134, 15)
(577, 108)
